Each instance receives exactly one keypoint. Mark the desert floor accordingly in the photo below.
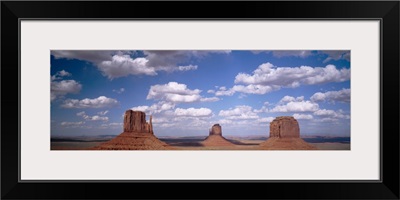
(195, 144)
(332, 146)
(73, 145)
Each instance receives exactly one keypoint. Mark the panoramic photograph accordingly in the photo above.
(200, 100)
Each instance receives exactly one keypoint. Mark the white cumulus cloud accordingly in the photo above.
(170, 60)
(193, 112)
(331, 114)
(115, 64)
(261, 110)
(304, 106)
(295, 53)
(224, 93)
(248, 89)
(91, 118)
(225, 122)
(209, 99)
(113, 125)
(174, 92)
(72, 124)
(277, 77)
(290, 99)
(60, 75)
(98, 118)
(239, 112)
(265, 120)
(291, 104)
(61, 88)
(332, 96)
(186, 68)
(336, 55)
(267, 78)
(272, 76)
(124, 65)
(253, 88)
(99, 102)
(155, 108)
(302, 116)
(94, 56)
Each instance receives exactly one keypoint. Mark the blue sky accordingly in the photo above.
(189, 91)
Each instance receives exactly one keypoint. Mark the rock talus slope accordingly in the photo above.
(284, 134)
(215, 137)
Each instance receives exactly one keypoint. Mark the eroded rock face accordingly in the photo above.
(284, 127)
(135, 121)
(137, 135)
(216, 130)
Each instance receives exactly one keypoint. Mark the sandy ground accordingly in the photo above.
(194, 145)
(332, 146)
(73, 145)
(237, 147)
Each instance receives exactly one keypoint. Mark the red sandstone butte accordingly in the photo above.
(215, 137)
(137, 135)
(216, 130)
(284, 127)
(135, 121)
(284, 134)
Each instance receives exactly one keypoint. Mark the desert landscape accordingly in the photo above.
(138, 135)
(190, 99)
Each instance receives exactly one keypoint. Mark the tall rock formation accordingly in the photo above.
(284, 134)
(135, 121)
(216, 130)
(215, 137)
(284, 127)
(138, 135)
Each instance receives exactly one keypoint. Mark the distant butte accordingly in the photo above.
(284, 134)
(215, 137)
(138, 135)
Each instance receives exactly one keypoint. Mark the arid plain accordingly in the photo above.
(138, 135)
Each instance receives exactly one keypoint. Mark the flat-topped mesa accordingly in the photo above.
(216, 130)
(135, 121)
(284, 127)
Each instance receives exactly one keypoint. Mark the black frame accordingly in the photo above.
(386, 11)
